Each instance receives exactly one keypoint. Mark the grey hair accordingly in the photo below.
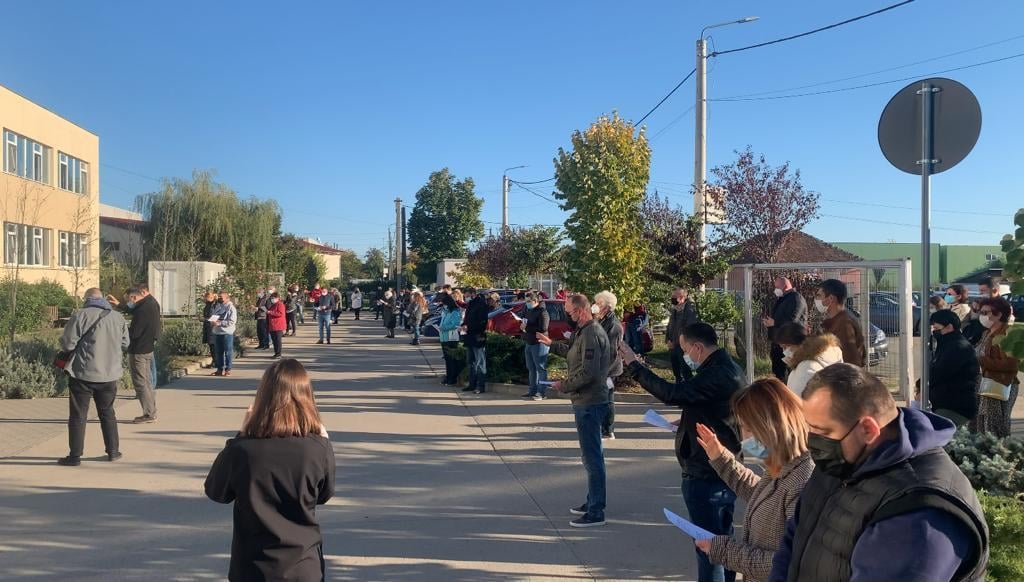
(608, 298)
(93, 293)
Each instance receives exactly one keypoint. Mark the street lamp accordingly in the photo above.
(700, 168)
(504, 197)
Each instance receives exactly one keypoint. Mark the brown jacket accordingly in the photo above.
(771, 502)
(995, 363)
(846, 327)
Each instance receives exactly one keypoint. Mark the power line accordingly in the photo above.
(999, 214)
(106, 165)
(534, 182)
(672, 123)
(896, 68)
(908, 225)
(810, 32)
(537, 194)
(865, 86)
(663, 99)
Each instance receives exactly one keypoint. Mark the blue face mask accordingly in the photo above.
(130, 304)
(950, 299)
(753, 449)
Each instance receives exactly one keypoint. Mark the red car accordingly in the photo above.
(504, 322)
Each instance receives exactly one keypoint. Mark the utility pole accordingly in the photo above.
(391, 258)
(397, 244)
(700, 144)
(504, 204)
(405, 249)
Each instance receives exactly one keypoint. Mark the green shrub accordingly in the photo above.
(1005, 517)
(245, 327)
(33, 299)
(183, 337)
(992, 464)
(21, 378)
(506, 362)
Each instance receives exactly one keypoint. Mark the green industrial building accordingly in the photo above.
(948, 262)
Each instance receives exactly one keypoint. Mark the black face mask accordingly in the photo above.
(828, 455)
(675, 301)
(572, 322)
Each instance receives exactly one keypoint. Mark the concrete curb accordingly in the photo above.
(519, 389)
(179, 373)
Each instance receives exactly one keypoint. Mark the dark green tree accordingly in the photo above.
(444, 220)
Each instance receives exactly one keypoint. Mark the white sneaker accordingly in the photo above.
(608, 437)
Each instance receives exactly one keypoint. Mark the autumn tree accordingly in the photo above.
(444, 220)
(765, 205)
(514, 255)
(374, 261)
(678, 257)
(601, 181)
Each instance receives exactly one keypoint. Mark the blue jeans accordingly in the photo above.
(588, 428)
(224, 351)
(415, 331)
(324, 321)
(633, 339)
(152, 371)
(711, 505)
(476, 359)
(536, 363)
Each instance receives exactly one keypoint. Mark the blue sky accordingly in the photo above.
(336, 108)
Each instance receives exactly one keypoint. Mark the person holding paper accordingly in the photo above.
(769, 412)
(536, 321)
(588, 356)
(209, 307)
(705, 399)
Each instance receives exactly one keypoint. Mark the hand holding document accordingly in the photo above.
(214, 319)
(688, 527)
(654, 419)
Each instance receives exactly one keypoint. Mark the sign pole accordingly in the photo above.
(927, 93)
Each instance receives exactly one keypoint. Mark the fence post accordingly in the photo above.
(748, 318)
(907, 329)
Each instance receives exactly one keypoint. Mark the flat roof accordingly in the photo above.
(52, 112)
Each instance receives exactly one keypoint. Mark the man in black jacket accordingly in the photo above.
(143, 332)
(475, 326)
(953, 380)
(705, 399)
(681, 315)
(790, 307)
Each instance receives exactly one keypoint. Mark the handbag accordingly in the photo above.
(63, 357)
(989, 388)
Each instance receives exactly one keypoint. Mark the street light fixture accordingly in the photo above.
(504, 197)
(701, 135)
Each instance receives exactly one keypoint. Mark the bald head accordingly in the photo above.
(93, 293)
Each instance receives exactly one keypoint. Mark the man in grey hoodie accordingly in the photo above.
(588, 356)
(96, 335)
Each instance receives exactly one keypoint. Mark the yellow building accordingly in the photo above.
(49, 196)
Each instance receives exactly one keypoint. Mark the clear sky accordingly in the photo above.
(336, 108)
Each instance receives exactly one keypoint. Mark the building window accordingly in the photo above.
(26, 245)
(111, 246)
(74, 250)
(74, 174)
(26, 158)
(991, 257)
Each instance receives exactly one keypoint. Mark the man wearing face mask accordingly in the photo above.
(588, 357)
(953, 379)
(682, 314)
(790, 307)
(475, 340)
(885, 501)
(260, 315)
(830, 301)
(144, 331)
(705, 399)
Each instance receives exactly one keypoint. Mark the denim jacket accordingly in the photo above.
(450, 322)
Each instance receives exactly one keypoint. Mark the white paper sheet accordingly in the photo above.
(687, 527)
(654, 419)
(214, 319)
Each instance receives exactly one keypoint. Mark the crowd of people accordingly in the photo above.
(847, 473)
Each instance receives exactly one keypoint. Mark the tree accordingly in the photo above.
(602, 182)
(674, 237)
(444, 220)
(200, 219)
(375, 260)
(314, 271)
(765, 206)
(514, 255)
(1013, 246)
(294, 257)
(351, 266)
(22, 207)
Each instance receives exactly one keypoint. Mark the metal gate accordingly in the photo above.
(879, 295)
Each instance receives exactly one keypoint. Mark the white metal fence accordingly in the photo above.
(880, 296)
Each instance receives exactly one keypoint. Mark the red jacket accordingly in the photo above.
(275, 317)
(314, 295)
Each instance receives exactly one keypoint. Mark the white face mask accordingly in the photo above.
(690, 362)
(820, 306)
(595, 309)
(779, 292)
(788, 352)
(987, 321)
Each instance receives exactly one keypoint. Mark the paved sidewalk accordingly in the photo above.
(430, 487)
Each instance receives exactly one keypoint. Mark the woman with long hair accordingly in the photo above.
(451, 320)
(771, 413)
(276, 470)
(416, 311)
(959, 301)
(998, 390)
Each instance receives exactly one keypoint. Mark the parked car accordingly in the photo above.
(506, 321)
(884, 309)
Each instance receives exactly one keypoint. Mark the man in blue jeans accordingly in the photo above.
(475, 340)
(710, 378)
(324, 306)
(588, 356)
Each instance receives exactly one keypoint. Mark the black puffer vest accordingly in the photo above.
(834, 513)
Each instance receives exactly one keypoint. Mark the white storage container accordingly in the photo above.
(175, 283)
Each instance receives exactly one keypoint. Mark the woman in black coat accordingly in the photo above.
(277, 469)
(211, 303)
